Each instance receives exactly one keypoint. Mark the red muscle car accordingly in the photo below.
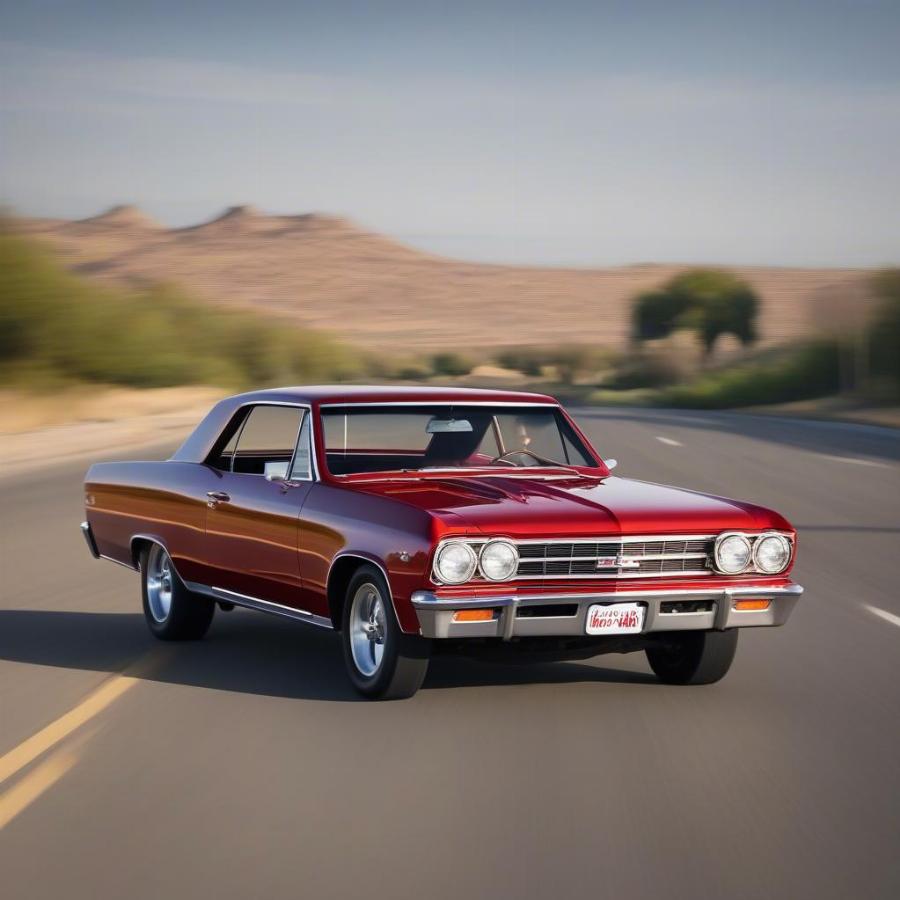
(418, 519)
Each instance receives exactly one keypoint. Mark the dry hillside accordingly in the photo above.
(327, 272)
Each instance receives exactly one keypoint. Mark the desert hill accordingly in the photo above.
(327, 272)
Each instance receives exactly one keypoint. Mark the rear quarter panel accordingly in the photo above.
(162, 500)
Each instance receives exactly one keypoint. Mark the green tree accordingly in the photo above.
(710, 302)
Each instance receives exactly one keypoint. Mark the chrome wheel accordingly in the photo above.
(159, 584)
(367, 629)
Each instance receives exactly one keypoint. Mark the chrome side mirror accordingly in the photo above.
(610, 463)
(276, 477)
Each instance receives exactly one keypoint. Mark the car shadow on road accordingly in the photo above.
(246, 653)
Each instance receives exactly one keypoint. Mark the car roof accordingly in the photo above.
(359, 393)
(201, 441)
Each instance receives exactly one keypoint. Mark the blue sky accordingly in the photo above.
(566, 133)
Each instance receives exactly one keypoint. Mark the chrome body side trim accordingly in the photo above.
(278, 609)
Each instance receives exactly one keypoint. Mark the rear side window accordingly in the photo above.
(264, 445)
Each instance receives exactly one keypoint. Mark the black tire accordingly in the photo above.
(187, 616)
(403, 662)
(693, 657)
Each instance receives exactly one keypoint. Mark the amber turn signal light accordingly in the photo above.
(747, 605)
(473, 615)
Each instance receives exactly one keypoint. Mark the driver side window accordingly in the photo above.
(265, 444)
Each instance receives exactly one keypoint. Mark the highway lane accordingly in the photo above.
(243, 766)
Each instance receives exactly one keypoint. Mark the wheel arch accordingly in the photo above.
(343, 567)
(140, 542)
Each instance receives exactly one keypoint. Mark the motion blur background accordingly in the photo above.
(630, 205)
(666, 204)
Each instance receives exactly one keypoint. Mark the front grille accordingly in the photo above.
(619, 558)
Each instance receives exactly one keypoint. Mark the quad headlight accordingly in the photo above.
(732, 553)
(455, 562)
(498, 560)
(771, 553)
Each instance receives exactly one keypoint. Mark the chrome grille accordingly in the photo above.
(627, 557)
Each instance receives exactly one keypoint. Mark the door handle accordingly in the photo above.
(217, 497)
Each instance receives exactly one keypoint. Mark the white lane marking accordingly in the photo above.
(854, 461)
(669, 441)
(883, 614)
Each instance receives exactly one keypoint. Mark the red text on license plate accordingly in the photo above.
(616, 618)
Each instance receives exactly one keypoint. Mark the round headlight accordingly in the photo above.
(772, 553)
(455, 563)
(499, 560)
(732, 554)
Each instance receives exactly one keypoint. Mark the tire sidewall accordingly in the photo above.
(189, 614)
(376, 684)
(160, 629)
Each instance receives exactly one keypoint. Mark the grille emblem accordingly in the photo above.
(618, 562)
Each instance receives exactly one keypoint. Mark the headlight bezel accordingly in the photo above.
(769, 536)
(720, 540)
(496, 542)
(439, 576)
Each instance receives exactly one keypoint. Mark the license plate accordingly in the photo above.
(617, 618)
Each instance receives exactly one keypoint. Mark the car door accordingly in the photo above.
(254, 509)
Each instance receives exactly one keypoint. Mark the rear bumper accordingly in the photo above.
(516, 615)
(89, 539)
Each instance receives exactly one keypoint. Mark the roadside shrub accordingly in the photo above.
(811, 371)
(452, 364)
(56, 325)
(884, 334)
(529, 361)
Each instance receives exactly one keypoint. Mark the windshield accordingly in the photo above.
(393, 438)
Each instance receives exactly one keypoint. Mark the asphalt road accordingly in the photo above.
(243, 766)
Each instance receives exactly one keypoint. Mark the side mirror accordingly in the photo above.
(276, 471)
(610, 463)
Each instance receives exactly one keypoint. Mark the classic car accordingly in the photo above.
(417, 520)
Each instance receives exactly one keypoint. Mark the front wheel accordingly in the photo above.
(172, 612)
(383, 663)
(693, 657)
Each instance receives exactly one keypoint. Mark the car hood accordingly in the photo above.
(575, 507)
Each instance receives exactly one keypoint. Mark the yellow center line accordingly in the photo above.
(39, 743)
(20, 796)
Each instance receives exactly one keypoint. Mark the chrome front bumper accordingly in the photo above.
(511, 618)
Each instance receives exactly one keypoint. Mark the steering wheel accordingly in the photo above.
(504, 457)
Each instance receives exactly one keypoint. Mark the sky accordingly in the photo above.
(567, 133)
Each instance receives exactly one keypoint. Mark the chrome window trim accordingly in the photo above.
(502, 403)
(312, 439)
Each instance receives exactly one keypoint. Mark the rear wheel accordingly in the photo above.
(172, 612)
(693, 657)
(382, 662)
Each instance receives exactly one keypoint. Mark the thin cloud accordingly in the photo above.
(42, 78)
